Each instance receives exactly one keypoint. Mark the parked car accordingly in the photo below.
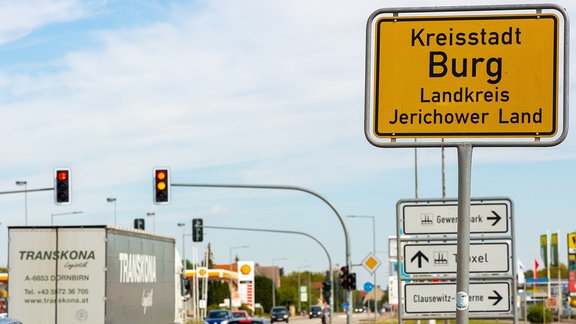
(315, 311)
(218, 316)
(279, 314)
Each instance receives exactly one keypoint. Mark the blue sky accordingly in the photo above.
(232, 92)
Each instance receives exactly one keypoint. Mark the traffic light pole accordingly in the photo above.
(289, 232)
(24, 191)
(294, 188)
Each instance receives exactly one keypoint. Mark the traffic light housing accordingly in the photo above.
(161, 186)
(344, 277)
(62, 186)
(139, 223)
(185, 285)
(197, 230)
(347, 279)
(326, 290)
(352, 281)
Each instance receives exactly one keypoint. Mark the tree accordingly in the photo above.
(218, 291)
(543, 273)
(208, 256)
(263, 290)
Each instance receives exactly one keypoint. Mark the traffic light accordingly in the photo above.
(197, 230)
(184, 285)
(352, 281)
(62, 186)
(326, 290)
(344, 277)
(139, 223)
(161, 186)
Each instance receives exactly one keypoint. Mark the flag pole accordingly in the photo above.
(548, 263)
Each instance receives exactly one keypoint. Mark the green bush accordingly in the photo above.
(539, 312)
(246, 308)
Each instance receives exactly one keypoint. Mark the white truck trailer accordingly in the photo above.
(93, 274)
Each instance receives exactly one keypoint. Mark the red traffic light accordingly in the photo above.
(62, 175)
(161, 174)
(62, 186)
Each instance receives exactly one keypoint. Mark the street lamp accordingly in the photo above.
(25, 184)
(274, 280)
(233, 248)
(374, 254)
(183, 225)
(299, 292)
(152, 214)
(113, 200)
(60, 214)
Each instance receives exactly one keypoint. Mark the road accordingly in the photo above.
(365, 318)
(340, 318)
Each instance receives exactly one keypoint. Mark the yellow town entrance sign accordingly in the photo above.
(465, 76)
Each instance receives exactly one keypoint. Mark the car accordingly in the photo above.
(240, 314)
(218, 316)
(359, 309)
(279, 314)
(315, 311)
(251, 320)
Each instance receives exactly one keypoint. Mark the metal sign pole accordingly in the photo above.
(463, 254)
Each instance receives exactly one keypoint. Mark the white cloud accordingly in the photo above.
(220, 91)
(20, 18)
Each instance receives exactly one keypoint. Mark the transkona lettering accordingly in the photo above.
(57, 255)
(136, 268)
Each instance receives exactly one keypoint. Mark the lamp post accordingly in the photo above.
(153, 215)
(274, 280)
(374, 254)
(299, 292)
(231, 288)
(183, 225)
(113, 200)
(60, 214)
(25, 184)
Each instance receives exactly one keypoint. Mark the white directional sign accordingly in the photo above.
(441, 297)
(443, 218)
(441, 258)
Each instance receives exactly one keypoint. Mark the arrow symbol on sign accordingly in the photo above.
(419, 256)
(497, 297)
(496, 217)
